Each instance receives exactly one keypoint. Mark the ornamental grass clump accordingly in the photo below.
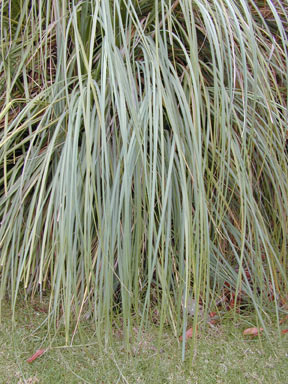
(144, 158)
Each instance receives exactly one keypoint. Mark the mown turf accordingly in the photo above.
(223, 355)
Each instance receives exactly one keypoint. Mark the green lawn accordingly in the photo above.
(223, 355)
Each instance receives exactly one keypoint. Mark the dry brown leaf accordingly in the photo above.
(283, 320)
(188, 334)
(252, 331)
(37, 354)
(213, 318)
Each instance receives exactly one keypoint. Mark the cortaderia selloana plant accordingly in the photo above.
(144, 159)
